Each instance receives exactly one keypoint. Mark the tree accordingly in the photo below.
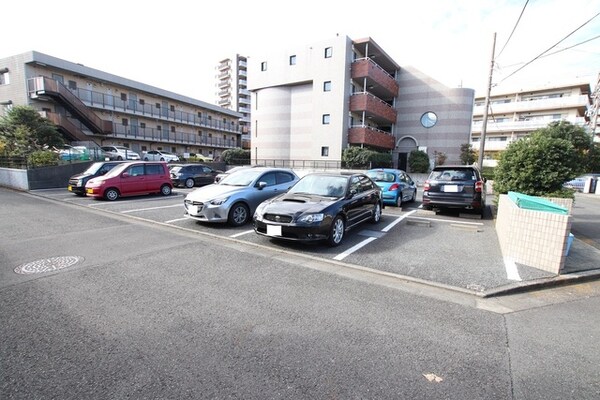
(418, 161)
(467, 154)
(537, 166)
(23, 130)
(576, 135)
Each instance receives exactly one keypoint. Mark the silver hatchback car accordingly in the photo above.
(235, 198)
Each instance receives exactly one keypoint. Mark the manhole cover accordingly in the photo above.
(48, 264)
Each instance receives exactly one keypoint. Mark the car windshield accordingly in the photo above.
(321, 185)
(453, 175)
(175, 169)
(241, 178)
(381, 176)
(92, 169)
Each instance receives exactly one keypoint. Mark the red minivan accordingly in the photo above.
(131, 179)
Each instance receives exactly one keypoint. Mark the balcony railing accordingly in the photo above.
(374, 107)
(112, 103)
(366, 135)
(377, 78)
(567, 102)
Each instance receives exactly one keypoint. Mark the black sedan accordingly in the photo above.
(190, 175)
(320, 206)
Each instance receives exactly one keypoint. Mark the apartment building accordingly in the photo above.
(98, 108)
(310, 103)
(515, 114)
(232, 91)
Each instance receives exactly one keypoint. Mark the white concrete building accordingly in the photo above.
(310, 103)
(514, 114)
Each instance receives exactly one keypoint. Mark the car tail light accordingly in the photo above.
(479, 186)
(426, 186)
(395, 186)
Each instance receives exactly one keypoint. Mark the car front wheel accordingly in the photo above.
(111, 194)
(376, 214)
(336, 233)
(239, 214)
(189, 183)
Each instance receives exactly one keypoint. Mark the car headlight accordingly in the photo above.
(259, 210)
(218, 202)
(79, 182)
(310, 218)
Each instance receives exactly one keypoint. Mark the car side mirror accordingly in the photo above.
(352, 193)
(125, 175)
(261, 185)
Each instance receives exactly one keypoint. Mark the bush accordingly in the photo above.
(537, 166)
(42, 158)
(235, 156)
(360, 157)
(418, 161)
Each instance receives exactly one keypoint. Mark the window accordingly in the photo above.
(293, 60)
(328, 52)
(172, 108)
(72, 85)
(199, 114)
(173, 129)
(199, 133)
(157, 105)
(325, 151)
(142, 125)
(125, 121)
(158, 128)
(124, 96)
(263, 66)
(154, 169)
(4, 78)
(142, 102)
(326, 119)
(327, 86)
(136, 170)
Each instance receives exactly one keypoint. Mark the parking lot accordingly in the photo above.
(457, 251)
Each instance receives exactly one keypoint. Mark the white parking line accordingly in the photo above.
(351, 250)
(150, 208)
(390, 226)
(175, 220)
(512, 272)
(242, 233)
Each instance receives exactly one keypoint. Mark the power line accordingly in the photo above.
(514, 29)
(550, 48)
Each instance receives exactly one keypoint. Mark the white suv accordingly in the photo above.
(120, 153)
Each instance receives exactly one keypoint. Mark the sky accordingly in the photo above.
(176, 45)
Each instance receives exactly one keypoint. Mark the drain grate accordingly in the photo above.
(48, 265)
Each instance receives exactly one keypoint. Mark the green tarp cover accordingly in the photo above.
(536, 203)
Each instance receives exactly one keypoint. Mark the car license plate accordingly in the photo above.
(273, 230)
(70, 188)
(450, 188)
(193, 210)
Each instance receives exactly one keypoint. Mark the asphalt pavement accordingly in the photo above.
(100, 304)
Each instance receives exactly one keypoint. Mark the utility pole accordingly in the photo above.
(487, 107)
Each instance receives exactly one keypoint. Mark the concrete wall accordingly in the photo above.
(537, 239)
(14, 178)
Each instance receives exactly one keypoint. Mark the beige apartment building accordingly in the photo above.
(232, 91)
(310, 103)
(515, 114)
(97, 108)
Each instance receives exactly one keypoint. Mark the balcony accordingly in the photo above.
(562, 103)
(364, 135)
(374, 108)
(378, 81)
(519, 126)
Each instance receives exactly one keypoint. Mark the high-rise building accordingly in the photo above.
(89, 105)
(312, 102)
(232, 91)
(514, 114)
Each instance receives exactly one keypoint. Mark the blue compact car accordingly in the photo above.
(396, 185)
